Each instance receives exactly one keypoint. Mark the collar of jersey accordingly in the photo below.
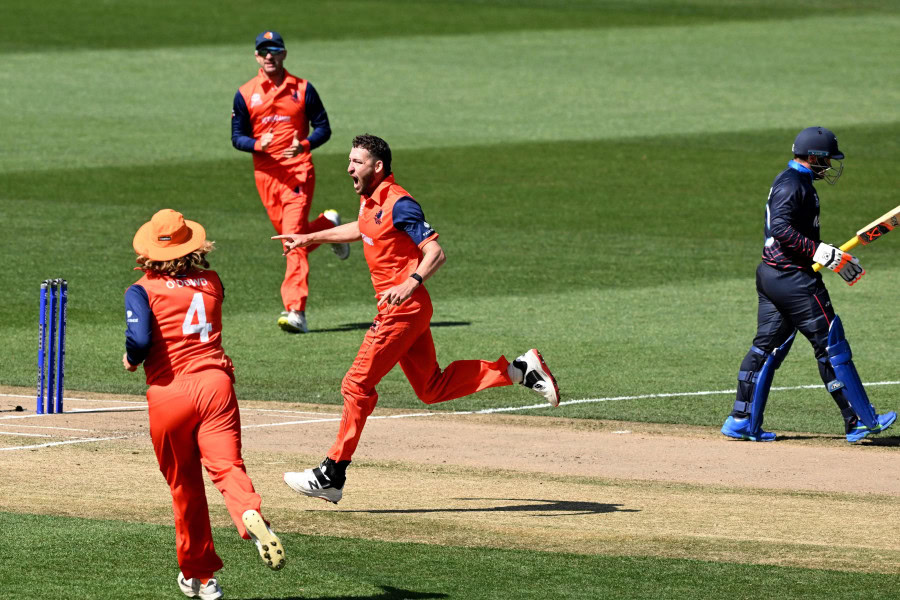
(381, 191)
(793, 164)
(265, 82)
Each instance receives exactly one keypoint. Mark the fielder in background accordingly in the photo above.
(174, 327)
(793, 297)
(271, 119)
(402, 252)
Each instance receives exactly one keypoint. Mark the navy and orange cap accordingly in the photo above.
(270, 39)
(168, 236)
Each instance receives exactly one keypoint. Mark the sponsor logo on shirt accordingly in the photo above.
(275, 119)
(255, 100)
(367, 239)
(130, 317)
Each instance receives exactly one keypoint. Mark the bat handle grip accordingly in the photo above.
(848, 245)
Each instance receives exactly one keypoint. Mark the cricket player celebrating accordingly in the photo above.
(174, 327)
(402, 252)
(271, 119)
(792, 296)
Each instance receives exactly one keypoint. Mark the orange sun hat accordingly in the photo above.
(168, 236)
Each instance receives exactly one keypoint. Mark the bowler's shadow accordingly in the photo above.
(360, 326)
(387, 593)
(557, 508)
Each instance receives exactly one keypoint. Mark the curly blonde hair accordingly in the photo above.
(178, 266)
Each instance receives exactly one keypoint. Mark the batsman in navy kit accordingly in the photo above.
(793, 297)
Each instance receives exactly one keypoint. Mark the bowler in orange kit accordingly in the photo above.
(402, 252)
(174, 327)
(271, 119)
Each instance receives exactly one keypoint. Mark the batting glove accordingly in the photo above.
(840, 262)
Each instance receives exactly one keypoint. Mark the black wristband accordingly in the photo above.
(417, 277)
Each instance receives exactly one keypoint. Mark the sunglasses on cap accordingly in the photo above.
(272, 51)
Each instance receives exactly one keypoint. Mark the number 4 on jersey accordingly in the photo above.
(201, 326)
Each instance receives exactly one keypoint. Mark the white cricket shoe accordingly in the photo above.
(294, 321)
(192, 588)
(317, 482)
(537, 376)
(270, 549)
(341, 250)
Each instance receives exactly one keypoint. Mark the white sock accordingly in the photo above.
(515, 373)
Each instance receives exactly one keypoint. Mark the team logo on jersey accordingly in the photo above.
(295, 95)
(255, 100)
(378, 217)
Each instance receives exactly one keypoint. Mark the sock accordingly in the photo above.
(516, 374)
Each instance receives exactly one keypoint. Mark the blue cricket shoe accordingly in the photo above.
(740, 430)
(860, 431)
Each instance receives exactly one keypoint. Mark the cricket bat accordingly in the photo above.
(871, 232)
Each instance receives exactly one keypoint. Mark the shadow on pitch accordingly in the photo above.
(557, 508)
(366, 325)
(888, 441)
(387, 593)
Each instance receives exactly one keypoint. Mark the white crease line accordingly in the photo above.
(566, 403)
(79, 441)
(106, 409)
(25, 434)
(79, 410)
(67, 399)
(292, 412)
(48, 427)
(332, 420)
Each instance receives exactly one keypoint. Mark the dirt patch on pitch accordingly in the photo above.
(492, 480)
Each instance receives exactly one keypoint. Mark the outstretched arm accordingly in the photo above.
(348, 232)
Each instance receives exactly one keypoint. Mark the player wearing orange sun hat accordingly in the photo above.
(174, 327)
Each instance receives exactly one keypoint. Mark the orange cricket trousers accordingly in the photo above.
(402, 334)
(288, 201)
(194, 421)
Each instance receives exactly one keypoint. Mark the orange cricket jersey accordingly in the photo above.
(391, 242)
(186, 330)
(281, 110)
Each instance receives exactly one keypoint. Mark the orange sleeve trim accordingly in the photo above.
(431, 237)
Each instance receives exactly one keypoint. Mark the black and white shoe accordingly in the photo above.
(325, 481)
(537, 376)
(192, 588)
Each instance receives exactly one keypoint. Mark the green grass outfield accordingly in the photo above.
(130, 560)
(597, 171)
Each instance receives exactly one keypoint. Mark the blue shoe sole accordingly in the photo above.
(867, 432)
(741, 436)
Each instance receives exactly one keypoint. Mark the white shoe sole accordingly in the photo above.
(304, 482)
(535, 361)
(290, 327)
(342, 251)
(270, 549)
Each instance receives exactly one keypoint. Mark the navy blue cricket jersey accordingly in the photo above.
(792, 220)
